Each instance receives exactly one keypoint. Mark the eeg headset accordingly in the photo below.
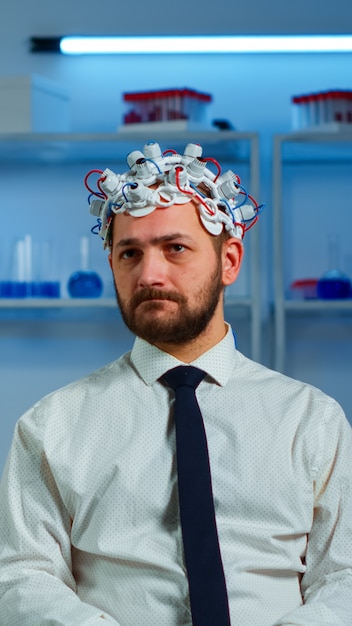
(161, 179)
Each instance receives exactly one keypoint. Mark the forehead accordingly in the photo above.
(175, 219)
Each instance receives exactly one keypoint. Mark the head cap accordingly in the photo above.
(159, 180)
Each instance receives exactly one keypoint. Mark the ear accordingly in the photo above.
(110, 260)
(232, 254)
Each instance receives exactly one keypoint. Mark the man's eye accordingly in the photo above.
(177, 247)
(128, 254)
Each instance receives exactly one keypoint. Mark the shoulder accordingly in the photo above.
(299, 415)
(85, 394)
(284, 395)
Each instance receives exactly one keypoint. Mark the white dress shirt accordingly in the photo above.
(89, 523)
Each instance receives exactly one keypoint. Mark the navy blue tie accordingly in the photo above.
(206, 580)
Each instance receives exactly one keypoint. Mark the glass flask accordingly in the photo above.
(334, 284)
(84, 283)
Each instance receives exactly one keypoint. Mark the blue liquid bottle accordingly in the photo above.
(334, 284)
(85, 283)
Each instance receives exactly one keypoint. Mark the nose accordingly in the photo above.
(152, 269)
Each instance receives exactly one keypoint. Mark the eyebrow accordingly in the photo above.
(134, 241)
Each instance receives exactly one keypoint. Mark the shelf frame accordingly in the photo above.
(282, 305)
(61, 147)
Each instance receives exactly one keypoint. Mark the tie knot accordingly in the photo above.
(183, 376)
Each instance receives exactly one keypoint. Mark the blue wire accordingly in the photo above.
(127, 185)
(96, 195)
(258, 211)
(261, 208)
(156, 165)
(200, 193)
(228, 208)
(95, 229)
(245, 196)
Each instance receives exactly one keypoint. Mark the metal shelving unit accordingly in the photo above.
(229, 147)
(55, 303)
(290, 149)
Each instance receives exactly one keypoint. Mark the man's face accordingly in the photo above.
(168, 277)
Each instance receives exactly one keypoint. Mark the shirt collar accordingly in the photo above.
(218, 362)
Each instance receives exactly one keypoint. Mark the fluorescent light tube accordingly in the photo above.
(225, 44)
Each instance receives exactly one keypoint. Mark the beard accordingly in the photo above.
(179, 328)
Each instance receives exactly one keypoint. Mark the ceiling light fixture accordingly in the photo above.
(198, 44)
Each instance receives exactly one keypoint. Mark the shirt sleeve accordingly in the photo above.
(36, 581)
(327, 582)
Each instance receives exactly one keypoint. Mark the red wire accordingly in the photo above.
(241, 226)
(210, 211)
(246, 228)
(191, 193)
(177, 173)
(217, 165)
(250, 225)
(253, 200)
(100, 180)
(242, 193)
(98, 183)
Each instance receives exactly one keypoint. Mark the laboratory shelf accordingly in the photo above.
(24, 304)
(41, 315)
(85, 147)
(56, 303)
(315, 146)
(306, 306)
(296, 149)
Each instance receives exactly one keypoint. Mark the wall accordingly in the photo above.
(253, 92)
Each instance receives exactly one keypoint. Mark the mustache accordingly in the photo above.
(152, 293)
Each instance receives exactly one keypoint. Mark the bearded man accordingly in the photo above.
(129, 498)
